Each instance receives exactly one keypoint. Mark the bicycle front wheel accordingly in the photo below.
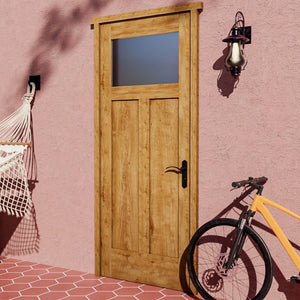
(251, 275)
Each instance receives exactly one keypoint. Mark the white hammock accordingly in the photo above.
(15, 138)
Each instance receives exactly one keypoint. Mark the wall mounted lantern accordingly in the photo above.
(239, 35)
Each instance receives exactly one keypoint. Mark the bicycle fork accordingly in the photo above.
(239, 240)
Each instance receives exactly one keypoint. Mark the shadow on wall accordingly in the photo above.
(290, 290)
(59, 35)
(225, 82)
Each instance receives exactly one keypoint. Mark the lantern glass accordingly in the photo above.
(235, 56)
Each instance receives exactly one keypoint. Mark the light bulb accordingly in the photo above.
(235, 57)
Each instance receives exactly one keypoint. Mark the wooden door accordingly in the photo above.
(143, 128)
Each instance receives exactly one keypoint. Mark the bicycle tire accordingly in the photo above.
(213, 241)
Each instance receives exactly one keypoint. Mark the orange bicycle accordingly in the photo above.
(227, 259)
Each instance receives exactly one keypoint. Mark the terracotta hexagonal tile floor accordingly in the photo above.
(28, 281)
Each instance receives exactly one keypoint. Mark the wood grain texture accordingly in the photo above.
(125, 179)
(97, 146)
(164, 186)
(194, 139)
(145, 27)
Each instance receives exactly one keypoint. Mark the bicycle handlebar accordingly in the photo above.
(250, 181)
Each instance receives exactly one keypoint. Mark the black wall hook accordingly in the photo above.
(37, 80)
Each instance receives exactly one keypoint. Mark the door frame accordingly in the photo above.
(194, 9)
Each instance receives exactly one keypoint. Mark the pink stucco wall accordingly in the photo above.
(252, 130)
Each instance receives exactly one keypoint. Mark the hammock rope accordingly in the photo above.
(15, 138)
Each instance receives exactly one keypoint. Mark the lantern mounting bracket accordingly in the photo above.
(247, 33)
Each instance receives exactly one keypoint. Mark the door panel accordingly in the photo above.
(144, 210)
(146, 26)
(125, 194)
(164, 186)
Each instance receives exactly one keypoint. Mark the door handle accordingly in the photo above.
(182, 171)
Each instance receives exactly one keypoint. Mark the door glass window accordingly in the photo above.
(151, 59)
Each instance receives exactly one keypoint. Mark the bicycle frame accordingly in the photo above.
(259, 204)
